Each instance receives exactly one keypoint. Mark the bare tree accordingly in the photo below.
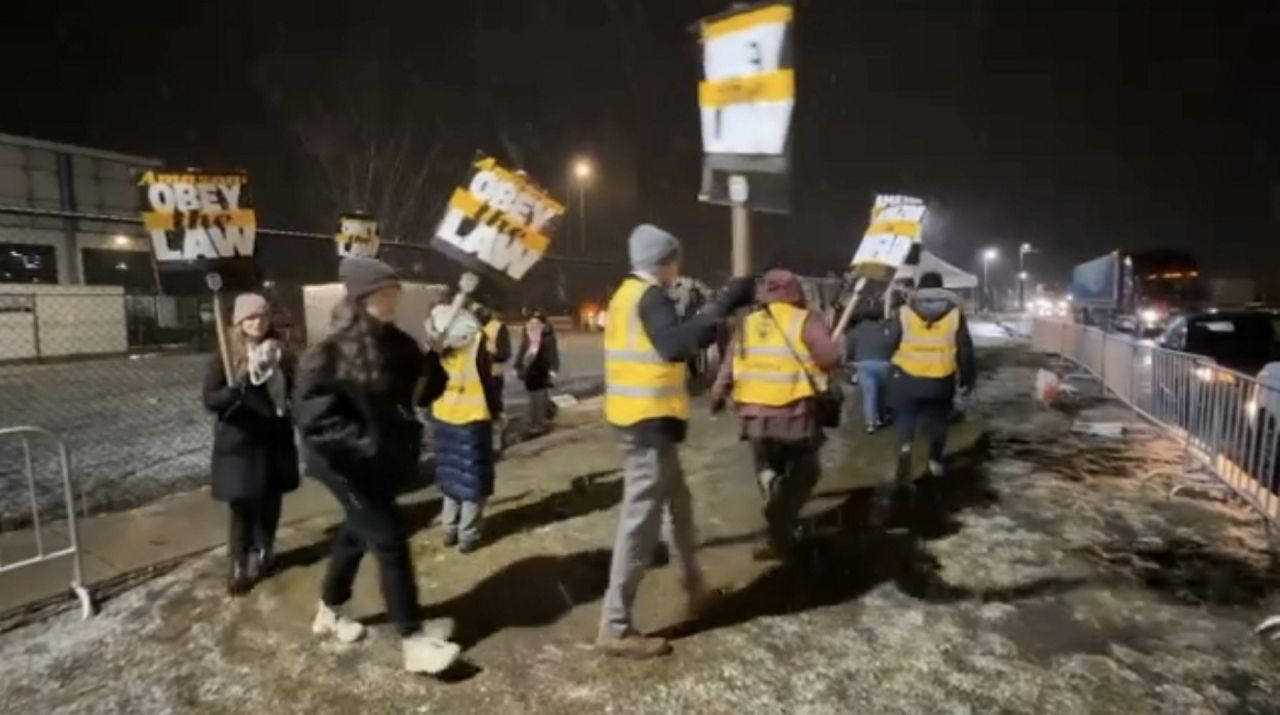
(378, 145)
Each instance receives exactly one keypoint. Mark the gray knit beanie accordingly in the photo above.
(650, 247)
(365, 276)
(248, 305)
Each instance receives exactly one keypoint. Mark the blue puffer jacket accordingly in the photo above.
(464, 460)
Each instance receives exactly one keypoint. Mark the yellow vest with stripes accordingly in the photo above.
(491, 331)
(765, 370)
(927, 351)
(463, 400)
(639, 384)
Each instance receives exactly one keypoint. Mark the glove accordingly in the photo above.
(739, 293)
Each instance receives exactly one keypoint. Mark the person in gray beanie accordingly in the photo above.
(646, 400)
(361, 439)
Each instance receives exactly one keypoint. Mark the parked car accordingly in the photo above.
(1237, 417)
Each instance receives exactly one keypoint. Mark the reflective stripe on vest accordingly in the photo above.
(639, 384)
(927, 350)
(463, 401)
(491, 330)
(765, 370)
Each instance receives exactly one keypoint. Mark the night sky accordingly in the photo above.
(1075, 126)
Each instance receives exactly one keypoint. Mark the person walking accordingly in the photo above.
(362, 440)
(870, 347)
(255, 461)
(646, 400)
(538, 365)
(780, 361)
(932, 352)
(463, 417)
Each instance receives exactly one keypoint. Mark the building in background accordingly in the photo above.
(37, 174)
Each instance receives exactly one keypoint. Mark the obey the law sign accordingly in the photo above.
(195, 216)
(498, 225)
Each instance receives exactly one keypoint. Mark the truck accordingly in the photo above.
(1136, 292)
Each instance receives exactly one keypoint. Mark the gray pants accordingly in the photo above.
(540, 410)
(462, 518)
(655, 499)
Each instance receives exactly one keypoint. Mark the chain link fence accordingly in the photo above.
(116, 371)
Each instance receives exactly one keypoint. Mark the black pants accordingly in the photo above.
(798, 469)
(253, 524)
(929, 411)
(373, 523)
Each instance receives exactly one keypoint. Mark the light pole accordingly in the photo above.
(582, 171)
(1023, 250)
(988, 255)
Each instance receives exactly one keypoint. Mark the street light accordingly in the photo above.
(1023, 250)
(988, 255)
(582, 172)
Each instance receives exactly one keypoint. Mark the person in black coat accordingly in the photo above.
(354, 408)
(538, 366)
(255, 461)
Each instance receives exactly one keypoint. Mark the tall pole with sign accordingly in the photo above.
(745, 99)
(891, 242)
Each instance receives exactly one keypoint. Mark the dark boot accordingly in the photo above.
(239, 582)
(904, 486)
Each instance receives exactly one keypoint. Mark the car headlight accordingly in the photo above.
(1149, 316)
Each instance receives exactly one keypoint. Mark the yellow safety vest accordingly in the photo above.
(463, 400)
(765, 370)
(491, 331)
(927, 350)
(639, 384)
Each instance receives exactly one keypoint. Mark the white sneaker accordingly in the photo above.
(935, 468)
(424, 653)
(331, 621)
(438, 628)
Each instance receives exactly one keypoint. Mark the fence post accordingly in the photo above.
(35, 326)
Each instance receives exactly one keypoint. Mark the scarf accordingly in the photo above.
(264, 363)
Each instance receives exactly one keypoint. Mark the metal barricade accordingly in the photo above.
(72, 549)
(1227, 422)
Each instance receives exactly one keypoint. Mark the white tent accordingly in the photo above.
(952, 278)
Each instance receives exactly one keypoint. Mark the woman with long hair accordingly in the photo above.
(255, 462)
(362, 440)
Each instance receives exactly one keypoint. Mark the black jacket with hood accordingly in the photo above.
(932, 305)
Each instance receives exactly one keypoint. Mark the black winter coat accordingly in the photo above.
(366, 436)
(254, 453)
(536, 373)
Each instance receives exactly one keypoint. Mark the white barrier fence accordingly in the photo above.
(62, 543)
(1228, 422)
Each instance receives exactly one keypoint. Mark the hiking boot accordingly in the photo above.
(424, 653)
(466, 546)
(450, 539)
(330, 621)
(633, 645)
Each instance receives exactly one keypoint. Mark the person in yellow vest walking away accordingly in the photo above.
(777, 365)
(933, 355)
(646, 346)
(463, 417)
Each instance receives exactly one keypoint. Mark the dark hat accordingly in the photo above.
(365, 276)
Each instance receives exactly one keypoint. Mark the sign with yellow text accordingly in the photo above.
(358, 236)
(897, 223)
(194, 216)
(499, 225)
(748, 90)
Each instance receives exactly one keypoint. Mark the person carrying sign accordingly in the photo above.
(780, 361)
(932, 350)
(646, 399)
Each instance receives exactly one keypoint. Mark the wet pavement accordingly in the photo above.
(1045, 573)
